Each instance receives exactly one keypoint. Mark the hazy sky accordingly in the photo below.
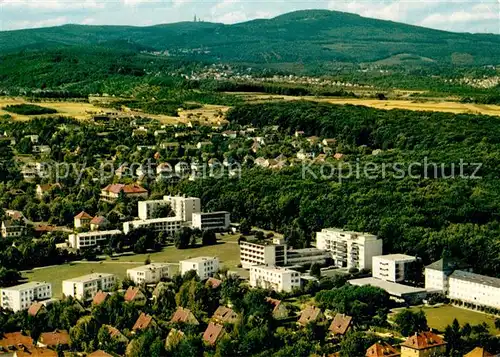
(453, 15)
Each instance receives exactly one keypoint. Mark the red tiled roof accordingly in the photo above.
(37, 352)
(15, 339)
(340, 324)
(115, 333)
(99, 298)
(309, 314)
(143, 322)
(118, 187)
(212, 333)
(99, 353)
(479, 352)
(49, 186)
(382, 349)
(98, 220)
(184, 316)
(213, 283)
(55, 338)
(423, 340)
(83, 215)
(225, 315)
(131, 293)
(275, 302)
(35, 308)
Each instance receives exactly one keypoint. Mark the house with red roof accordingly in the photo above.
(144, 322)
(382, 349)
(340, 324)
(112, 192)
(479, 352)
(99, 223)
(213, 333)
(310, 314)
(280, 311)
(134, 294)
(100, 297)
(182, 315)
(36, 308)
(54, 339)
(82, 220)
(423, 344)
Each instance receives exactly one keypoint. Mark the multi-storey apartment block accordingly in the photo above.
(20, 297)
(170, 225)
(263, 253)
(349, 249)
(152, 273)
(91, 239)
(183, 207)
(217, 221)
(205, 267)
(85, 287)
(275, 278)
(392, 267)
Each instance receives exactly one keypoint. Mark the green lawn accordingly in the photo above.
(440, 317)
(227, 250)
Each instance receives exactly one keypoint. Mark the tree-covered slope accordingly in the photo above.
(306, 36)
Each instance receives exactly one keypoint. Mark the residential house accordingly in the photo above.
(10, 342)
(278, 279)
(100, 298)
(112, 192)
(144, 322)
(36, 309)
(20, 297)
(87, 286)
(479, 352)
(382, 349)
(185, 316)
(213, 333)
(134, 294)
(299, 133)
(45, 189)
(423, 344)
(170, 146)
(174, 337)
(305, 155)
(35, 352)
(82, 220)
(313, 140)
(230, 134)
(310, 314)
(13, 228)
(151, 273)
(225, 315)
(116, 334)
(99, 353)
(262, 162)
(329, 142)
(280, 311)
(203, 144)
(340, 324)
(54, 339)
(213, 283)
(99, 223)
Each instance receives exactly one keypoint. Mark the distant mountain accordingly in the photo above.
(312, 36)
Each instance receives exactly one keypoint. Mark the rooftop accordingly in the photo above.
(151, 266)
(274, 269)
(476, 278)
(397, 257)
(26, 286)
(393, 289)
(89, 277)
(99, 233)
(423, 340)
(198, 259)
(340, 230)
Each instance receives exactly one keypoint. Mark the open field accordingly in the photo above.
(227, 251)
(442, 316)
(416, 105)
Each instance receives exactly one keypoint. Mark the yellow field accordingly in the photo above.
(430, 105)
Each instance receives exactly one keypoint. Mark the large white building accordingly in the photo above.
(152, 273)
(91, 239)
(459, 283)
(217, 221)
(85, 287)
(21, 297)
(205, 267)
(275, 278)
(183, 207)
(170, 225)
(349, 249)
(392, 267)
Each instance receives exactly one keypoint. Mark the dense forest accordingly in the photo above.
(422, 213)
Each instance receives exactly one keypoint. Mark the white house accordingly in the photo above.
(21, 297)
(13, 228)
(91, 239)
(152, 273)
(392, 267)
(169, 225)
(349, 249)
(205, 267)
(275, 278)
(211, 221)
(85, 287)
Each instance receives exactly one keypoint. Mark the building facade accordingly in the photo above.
(13, 228)
(112, 192)
(21, 297)
(255, 253)
(392, 267)
(473, 288)
(184, 207)
(205, 267)
(275, 278)
(349, 249)
(91, 239)
(169, 225)
(152, 273)
(85, 287)
(216, 221)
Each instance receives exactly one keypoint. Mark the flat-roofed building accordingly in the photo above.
(169, 225)
(404, 292)
(307, 256)
(91, 239)
(262, 253)
(85, 287)
(276, 278)
(152, 273)
(215, 221)
(205, 267)
(183, 207)
(349, 249)
(21, 297)
(392, 267)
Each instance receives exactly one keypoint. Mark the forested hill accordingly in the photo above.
(309, 37)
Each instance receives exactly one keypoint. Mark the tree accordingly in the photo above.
(315, 270)
(409, 322)
(182, 238)
(140, 247)
(162, 211)
(209, 237)
(355, 344)
(245, 227)
(497, 323)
